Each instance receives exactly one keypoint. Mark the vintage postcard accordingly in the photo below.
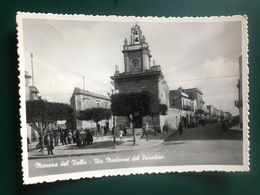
(107, 95)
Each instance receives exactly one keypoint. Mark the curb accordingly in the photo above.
(102, 152)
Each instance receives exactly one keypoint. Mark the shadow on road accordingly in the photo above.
(100, 144)
(173, 143)
(210, 132)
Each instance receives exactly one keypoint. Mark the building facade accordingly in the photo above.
(82, 100)
(197, 95)
(212, 112)
(179, 100)
(31, 93)
(140, 74)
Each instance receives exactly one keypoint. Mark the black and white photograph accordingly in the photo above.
(107, 95)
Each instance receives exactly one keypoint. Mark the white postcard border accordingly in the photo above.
(141, 170)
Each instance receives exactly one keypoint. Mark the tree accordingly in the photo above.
(134, 106)
(94, 114)
(156, 110)
(41, 113)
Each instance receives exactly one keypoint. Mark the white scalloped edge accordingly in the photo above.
(140, 170)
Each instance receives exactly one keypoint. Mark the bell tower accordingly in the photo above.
(137, 57)
(140, 74)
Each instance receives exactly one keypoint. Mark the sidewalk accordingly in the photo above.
(102, 145)
(236, 128)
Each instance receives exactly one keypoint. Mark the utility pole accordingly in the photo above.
(84, 83)
(32, 69)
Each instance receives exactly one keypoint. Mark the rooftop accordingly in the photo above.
(78, 91)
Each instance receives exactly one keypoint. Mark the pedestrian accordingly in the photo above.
(89, 137)
(74, 136)
(121, 132)
(180, 128)
(69, 137)
(48, 141)
(105, 130)
(144, 132)
(63, 137)
(124, 130)
(77, 138)
(203, 122)
(164, 129)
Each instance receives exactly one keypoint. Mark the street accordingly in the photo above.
(199, 146)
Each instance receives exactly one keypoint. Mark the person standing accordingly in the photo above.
(89, 137)
(144, 132)
(48, 141)
(121, 132)
(69, 137)
(105, 130)
(124, 130)
(64, 136)
(180, 128)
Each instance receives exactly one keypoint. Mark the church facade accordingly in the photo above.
(140, 74)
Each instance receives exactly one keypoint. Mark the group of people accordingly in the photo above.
(83, 138)
(52, 138)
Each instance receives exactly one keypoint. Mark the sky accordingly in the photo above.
(192, 54)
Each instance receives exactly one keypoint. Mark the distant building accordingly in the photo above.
(180, 100)
(227, 116)
(220, 114)
(33, 93)
(197, 95)
(82, 100)
(239, 102)
(212, 111)
(30, 91)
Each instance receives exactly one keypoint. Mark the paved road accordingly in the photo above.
(209, 132)
(199, 146)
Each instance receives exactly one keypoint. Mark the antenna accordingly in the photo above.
(84, 83)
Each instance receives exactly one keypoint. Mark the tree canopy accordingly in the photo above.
(157, 108)
(131, 104)
(94, 114)
(136, 104)
(40, 113)
(47, 112)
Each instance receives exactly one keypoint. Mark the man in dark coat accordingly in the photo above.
(180, 128)
(48, 141)
(89, 137)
